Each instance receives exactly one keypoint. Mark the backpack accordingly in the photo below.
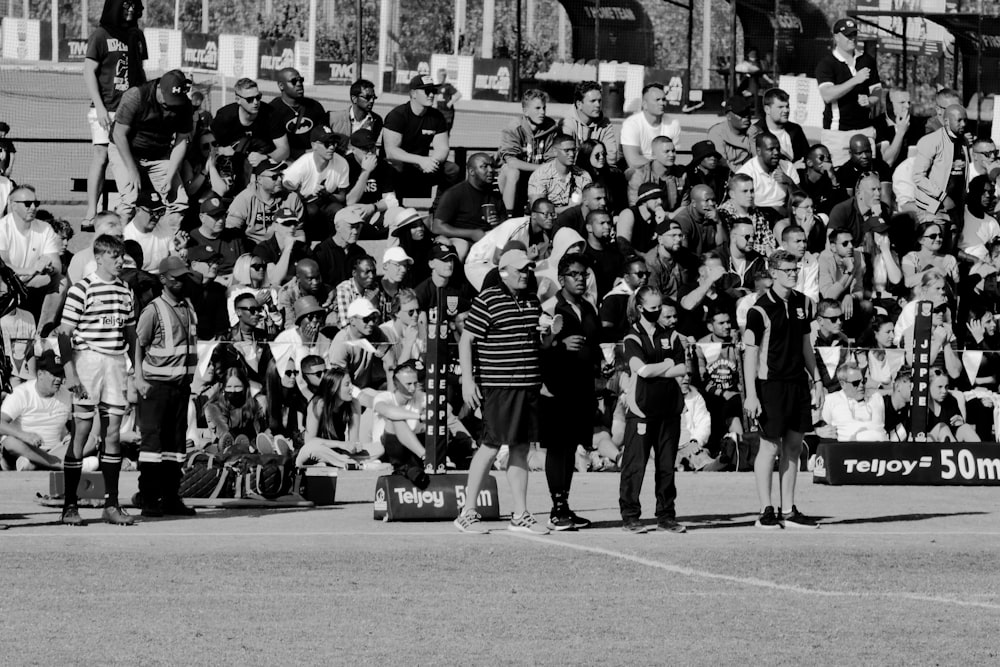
(204, 476)
(267, 476)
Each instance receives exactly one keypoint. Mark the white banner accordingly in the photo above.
(21, 39)
(165, 48)
(805, 105)
(238, 56)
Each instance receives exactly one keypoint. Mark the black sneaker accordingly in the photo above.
(578, 521)
(670, 526)
(796, 519)
(633, 526)
(559, 519)
(71, 516)
(176, 507)
(768, 520)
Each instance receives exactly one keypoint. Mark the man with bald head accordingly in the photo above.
(699, 221)
(295, 112)
(940, 164)
(861, 161)
(662, 170)
(307, 282)
(470, 209)
(773, 177)
(819, 180)
(943, 99)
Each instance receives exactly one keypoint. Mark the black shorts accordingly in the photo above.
(396, 452)
(510, 416)
(784, 407)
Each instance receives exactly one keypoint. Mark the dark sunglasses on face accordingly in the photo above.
(371, 319)
(932, 237)
(257, 267)
(833, 318)
(296, 80)
(855, 383)
(291, 373)
(28, 203)
(252, 98)
(254, 310)
(290, 223)
(370, 98)
(641, 274)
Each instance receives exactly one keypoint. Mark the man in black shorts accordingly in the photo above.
(503, 325)
(780, 364)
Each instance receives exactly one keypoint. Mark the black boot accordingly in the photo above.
(149, 499)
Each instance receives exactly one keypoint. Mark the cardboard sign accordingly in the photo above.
(397, 499)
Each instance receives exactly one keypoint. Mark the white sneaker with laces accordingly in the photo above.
(526, 523)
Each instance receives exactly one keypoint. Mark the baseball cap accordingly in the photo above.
(515, 259)
(443, 251)
(702, 150)
(150, 200)
(739, 105)
(349, 214)
(648, 191)
(323, 134)
(267, 164)
(285, 215)
(361, 307)
(422, 82)
(47, 362)
(877, 225)
(396, 254)
(213, 205)
(363, 139)
(846, 27)
(664, 225)
(306, 305)
(398, 219)
(174, 266)
(174, 87)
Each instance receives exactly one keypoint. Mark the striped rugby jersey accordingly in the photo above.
(99, 311)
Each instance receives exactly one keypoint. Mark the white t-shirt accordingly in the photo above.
(27, 250)
(767, 191)
(304, 178)
(155, 245)
(855, 420)
(6, 187)
(637, 132)
(46, 417)
(378, 422)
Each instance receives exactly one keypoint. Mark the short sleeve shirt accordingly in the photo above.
(505, 329)
(111, 56)
(847, 113)
(380, 183)
(417, 132)
(27, 250)
(46, 417)
(308, 181)
(297, 127)
(462, 206)
(151, 128)
(262, 132)
(776, 328)
(637, 132)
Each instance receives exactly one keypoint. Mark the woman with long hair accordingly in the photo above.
(592, 157)
(801, 212)
(883, 277)
(929, 256)
(234, 410)
(981, 225)
(945, 422)
(199, 172)
(878, 357)
(333, 425)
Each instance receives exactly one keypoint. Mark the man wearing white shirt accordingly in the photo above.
(849, 416)
(31, 249)
(772, 176)
(321, 177)
(155, 239)
(793, 239)
(34, 419)
(639, 129)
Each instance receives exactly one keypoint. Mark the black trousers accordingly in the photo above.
(162, 420)
(564, 423)
(642, 434)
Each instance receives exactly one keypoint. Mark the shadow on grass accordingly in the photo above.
(892, 518)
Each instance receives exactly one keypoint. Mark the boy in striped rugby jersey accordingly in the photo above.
(98, 328)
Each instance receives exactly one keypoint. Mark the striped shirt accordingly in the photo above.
(99, 311)
(777, 328)
(505, 328)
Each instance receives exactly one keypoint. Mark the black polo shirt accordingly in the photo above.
(846, 114)
(776, 328)
(418, 132)
(655, 396)
(260, 134)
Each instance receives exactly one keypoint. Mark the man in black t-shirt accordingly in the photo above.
(468, 210)
(248, 130)
(295, 112)
(285, 248)
(848, 83)
(819, 181)
(416, 141)
(862, 160)
(897, 406)
(372, 179)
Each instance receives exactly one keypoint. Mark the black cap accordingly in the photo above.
(845, 26)
(363, 139)
(47, 361)
(740, 105)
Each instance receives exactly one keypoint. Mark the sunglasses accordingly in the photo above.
(793, 271)
(370, 98)
(257, 267)
(641, 274)
(932, 237)
(833, 318)
(846, 244)
(252, 98)
(28, 203)
(410, 311)
(575, 274)
(290, 222)
(255, 310)
(291, 373)
(371, 319)
(296, 80)
(855, 383)
(992, 153)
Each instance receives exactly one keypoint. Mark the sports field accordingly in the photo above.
(894, 576)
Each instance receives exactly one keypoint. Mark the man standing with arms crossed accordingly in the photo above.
(503, 325)
(780, 365)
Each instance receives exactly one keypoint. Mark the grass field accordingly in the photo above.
(894, 576)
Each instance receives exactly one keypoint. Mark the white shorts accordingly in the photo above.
(98, 135)
(104, 378)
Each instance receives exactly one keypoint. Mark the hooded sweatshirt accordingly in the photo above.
(118, 48)
(548, 273)
(526, 142)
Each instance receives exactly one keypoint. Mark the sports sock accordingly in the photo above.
(111, 468)
(72, 471)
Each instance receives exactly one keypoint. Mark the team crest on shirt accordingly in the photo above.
(800, 313)
(451, 303)
(665, 343)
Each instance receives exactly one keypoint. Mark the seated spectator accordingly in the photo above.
(983, 369)
(307, 329)
(904, 192)
(651, 121)
(250, 276)
(83, 264)
(594, 198)
(401, 330)
(717, 377)
(285, 248)
(307, 282)
(819, 180)
(286, 405)
(468, 210)
(981, 225)
(883, 278)
(443, 281)
(984, 160)
(738, 255)
(35, 420)
(524, 145)
(360, 285)
(321, 178)
(932, 287)
(559, 180)
(696, 429)
(591, 156)
(614, 305)
(18, 334)
(372, 180)
(234, 410)
(762, 281)
(713, 292)
(294, 112)
(395, 267)
(208, 297)
(945, 420)
(896, 130)
(248, 130)
(773, 177)
(862, 161)
(337, 254)
(400, 425)
(793, 241)
(829, 341)
(253, 210)
(587, 121)
(942, 347)
(739, 206)
(794, 145)
(249, 316)
(636, 225)
(408, 230)
(533, 231)
(663, 170)
(156, 240)
(333, 425)
(565, 242)
(896, 406)
(213, 239)
(64, 232)
(362, 348)
(841, 276)
(605, 258)
(802, 213)
(359, 115)
(700, 221)
(878, 358)
(706, 168)
(200, 172)
(730, 136)
(854, 213)
(850, 416)
(671, 265)
(929, 256)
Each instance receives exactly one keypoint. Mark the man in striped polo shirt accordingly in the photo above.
(503, 325)
(166, 355)
(98, 323)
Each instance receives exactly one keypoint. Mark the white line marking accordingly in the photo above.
(748, 581)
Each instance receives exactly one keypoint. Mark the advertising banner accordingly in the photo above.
(492, 79)
(273, 56)
(407, 67)
(339, 73)
(397, 499)
(913, 463)
(201, 51)
(21, 39)
(72, 50)
(164, 49)
(238, 56)
(675, 86)
(805, 105)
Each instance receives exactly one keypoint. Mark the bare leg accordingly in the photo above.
(95, 180)
(482, 460)
(39, 458)
(517, 477)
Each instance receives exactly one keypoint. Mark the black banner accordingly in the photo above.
(335, 72)
(491, 79)
(273, 57)
(72, 50)
(396, 499)
(921, 369)
(913, 463)
(410, 65)
(199, 51)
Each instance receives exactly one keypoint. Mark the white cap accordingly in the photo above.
(361, 307)
(396, 254)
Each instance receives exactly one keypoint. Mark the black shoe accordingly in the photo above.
(176, 507)
(768, 520)
(151, 509)
(578, 521)
(670, 526)
(559, 519)
(633, 526)
(797, 519)
(71, 516)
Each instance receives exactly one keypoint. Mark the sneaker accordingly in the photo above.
(796, 519)
(526, 523)
(578, 521)
(768, 520)
(559, 519)
(176, 507)
(633, 526)
(670, 526)
(71, 516)
(116, 516)
(471, 522)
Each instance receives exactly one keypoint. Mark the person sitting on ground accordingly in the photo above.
(663, 170)
(321, 178)
(559, 180)
(524, 145)
(400, 424)
(468, 210)
(285, 248)
(234, 410)
(253, 210)
(945, 420)
(360, 285)
(851, 416)
(35, 420)
(333, 425)
(696, 429)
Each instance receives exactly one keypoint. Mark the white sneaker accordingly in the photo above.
(526, 524)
